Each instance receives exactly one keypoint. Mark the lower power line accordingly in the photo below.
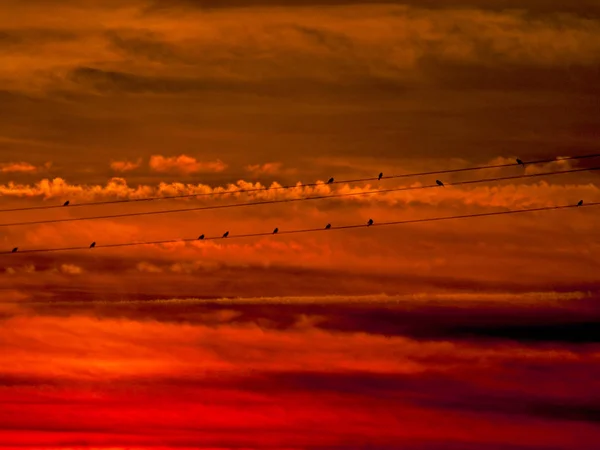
(308, 230)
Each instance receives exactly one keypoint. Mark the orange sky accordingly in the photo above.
(478, 333)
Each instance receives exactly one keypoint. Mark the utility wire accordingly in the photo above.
(288, 200)
(244, 191)
(313, 230)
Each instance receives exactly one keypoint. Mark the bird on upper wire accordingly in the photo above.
(66, 203)
(276, 230)
(92, 245)
(200, 237)
(330, 180)
(370, 222)
(520, 162)
(14, 250)
(328, 226)
(226, 234)
(380, 176)
(580, 203)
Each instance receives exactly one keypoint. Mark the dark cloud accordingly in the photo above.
(576, 322)
(441, 323)
(148, 45)
(116, 82)
(332, 41)
(11, 39)
(430, 391)
(447, 392)
(587, 8)
(221, 279)
(509, 77)
(578, 332)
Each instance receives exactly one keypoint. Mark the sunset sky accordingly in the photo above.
(479, 333)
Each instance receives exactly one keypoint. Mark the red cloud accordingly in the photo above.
(243, 379)
(125, 166)
(267, 168)
(184, 164)
(71, 269)
(22, 167)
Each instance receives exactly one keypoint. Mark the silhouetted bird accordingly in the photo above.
(200, 237)
(328, 226)
(380, 176)
(520, 162)
(370, 222)
(330, 180)
(439, 183)
(14, 250)
(580, 203)
(276, 230)
(92, 245)
(66, 203)
(226, 234)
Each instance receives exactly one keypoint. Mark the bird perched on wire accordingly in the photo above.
(439, 183)
(276, 230)
(14, 250)
(200, 237)
(380, 176)
(66, 203)
(226, 234)
(580, 203)
(330, 180)
(370, 222)
(92, 245)
(328, 226)
(520, 162)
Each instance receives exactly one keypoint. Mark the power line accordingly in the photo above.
(313, 230)
(245, 191)
(288, 200)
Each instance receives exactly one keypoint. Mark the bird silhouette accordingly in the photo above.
(380, 176)
(226, 234)
(580, 203)
(92, 245)
(200, 237)
(370, 222)
(330, 180)
(328, 226)
(14, 250)
(439, 183)
(520, 162)
(276, 230)
(66, 203)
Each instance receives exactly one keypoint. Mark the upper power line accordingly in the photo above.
(327, 228)
(331, 181)
(290, 200)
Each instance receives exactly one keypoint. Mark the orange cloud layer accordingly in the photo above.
(439, 255)
(537, 191)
